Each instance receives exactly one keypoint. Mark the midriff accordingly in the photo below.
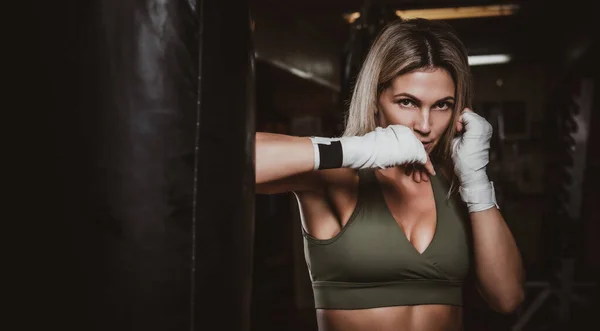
(400, 318)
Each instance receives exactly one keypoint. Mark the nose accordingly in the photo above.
(422, 123)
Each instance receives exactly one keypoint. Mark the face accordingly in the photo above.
(422, 100)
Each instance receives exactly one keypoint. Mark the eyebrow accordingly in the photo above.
(418, 100)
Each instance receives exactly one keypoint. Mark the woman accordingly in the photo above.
(397, 211)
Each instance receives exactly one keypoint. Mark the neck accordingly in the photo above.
(398, 179)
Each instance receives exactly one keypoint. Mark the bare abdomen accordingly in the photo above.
(405, 318)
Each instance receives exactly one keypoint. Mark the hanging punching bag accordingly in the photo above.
(156, 144)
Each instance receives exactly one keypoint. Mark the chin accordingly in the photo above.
(430, 147)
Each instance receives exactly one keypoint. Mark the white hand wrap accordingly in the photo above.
(470, 153)
(381, 148)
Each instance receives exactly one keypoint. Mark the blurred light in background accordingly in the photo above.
(459, 12)
(449, 13)
(477, 60)
(351, 17)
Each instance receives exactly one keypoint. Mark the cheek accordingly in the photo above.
(441, 121)
(396, 116)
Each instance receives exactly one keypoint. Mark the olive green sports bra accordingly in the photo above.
(370, 262)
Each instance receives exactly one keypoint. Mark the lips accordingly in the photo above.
(427, 144)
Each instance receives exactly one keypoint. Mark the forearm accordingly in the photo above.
(498, 262)
(279, 156)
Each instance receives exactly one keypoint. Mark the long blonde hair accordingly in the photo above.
(402, 47)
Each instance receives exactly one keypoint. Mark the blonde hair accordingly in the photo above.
(402, 47)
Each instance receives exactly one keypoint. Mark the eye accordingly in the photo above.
(444, 105)
(405, 102)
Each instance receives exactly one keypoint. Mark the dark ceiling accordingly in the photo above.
(541, 28)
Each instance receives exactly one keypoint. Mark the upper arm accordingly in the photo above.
(313, 181)
(307, 181)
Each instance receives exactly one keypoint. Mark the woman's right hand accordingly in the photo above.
(287, 163)
(395, 145)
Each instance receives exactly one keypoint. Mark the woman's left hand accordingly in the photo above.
(470, 154)
(470, 149)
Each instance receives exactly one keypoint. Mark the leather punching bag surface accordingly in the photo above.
(157, 164)
(225, 172)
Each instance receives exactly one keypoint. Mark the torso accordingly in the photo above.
(407, 318)
(325, 215)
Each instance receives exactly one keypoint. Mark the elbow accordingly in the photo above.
(508, 303)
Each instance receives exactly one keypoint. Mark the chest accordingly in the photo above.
(392, 237)
(415, 214)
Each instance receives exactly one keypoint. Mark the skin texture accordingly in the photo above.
(423, 101)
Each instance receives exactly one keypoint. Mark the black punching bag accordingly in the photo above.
(156, 144)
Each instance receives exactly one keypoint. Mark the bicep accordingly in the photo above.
(312, 181)
(308, 181)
